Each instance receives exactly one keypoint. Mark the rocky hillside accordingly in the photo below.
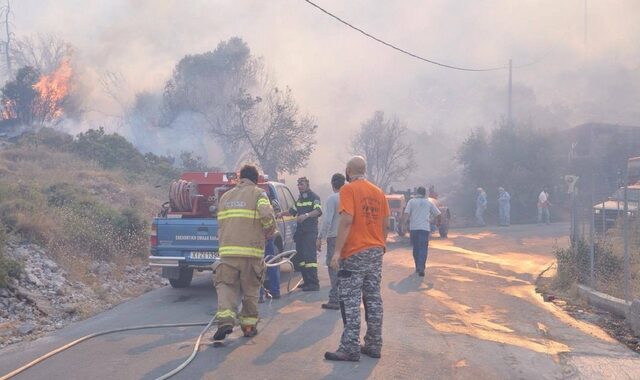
(45, 297)
(74, 217)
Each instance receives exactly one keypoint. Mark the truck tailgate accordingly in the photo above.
(191, 241)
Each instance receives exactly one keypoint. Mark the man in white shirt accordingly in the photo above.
(543, 206)
(417, 213)
(329, 231)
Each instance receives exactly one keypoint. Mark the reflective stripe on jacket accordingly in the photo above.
(305, 205)
(244, 213)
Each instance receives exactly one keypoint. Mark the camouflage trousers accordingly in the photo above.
(359, 280)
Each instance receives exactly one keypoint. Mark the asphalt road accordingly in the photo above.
(474, 316)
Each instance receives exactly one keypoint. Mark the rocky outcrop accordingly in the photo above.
(45, 298)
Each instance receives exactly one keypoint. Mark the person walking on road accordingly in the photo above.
(417, 213)
(481, 206)
(245, 219)
(543, 206)
(362, 234)
(504, 207)
(329, 231)
(307, 210)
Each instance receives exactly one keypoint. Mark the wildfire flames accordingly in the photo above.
(52, 92)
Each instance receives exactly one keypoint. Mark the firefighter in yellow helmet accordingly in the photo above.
(245, 219)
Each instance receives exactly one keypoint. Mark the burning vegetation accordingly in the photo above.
(53, 90)
(37, 99)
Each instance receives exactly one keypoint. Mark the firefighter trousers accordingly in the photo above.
(237, 277)
(308, 257)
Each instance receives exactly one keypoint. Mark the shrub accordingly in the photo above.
(574, 265)
(110, 151)
(97, 229)
(48, 137)
(8, 267)
(20, 205)
(63, 194)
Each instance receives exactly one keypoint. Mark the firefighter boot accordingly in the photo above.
(305, 279)
(249, 330)
(311, 282)
(222, 332)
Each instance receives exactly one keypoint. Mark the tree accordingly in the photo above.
(44, 52)
(517, 157)
(114, 85)
(278, 136)
(191, 162)
(20, 98)
(381, 142)
(473, 154)
(206, 84)
(249, 115)
(5, 12)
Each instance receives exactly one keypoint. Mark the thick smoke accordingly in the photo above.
(342, 77)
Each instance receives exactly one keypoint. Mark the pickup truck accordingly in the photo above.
(184, 239)
(607, 212)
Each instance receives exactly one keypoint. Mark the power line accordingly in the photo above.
(400, 49)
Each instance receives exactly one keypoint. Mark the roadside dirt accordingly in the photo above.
(570, 302)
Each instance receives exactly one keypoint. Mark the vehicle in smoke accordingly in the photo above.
(397, 201)
(184, 236)
(607, 213)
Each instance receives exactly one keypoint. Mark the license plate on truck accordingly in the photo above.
(202, 255)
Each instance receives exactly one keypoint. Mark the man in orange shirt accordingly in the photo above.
(362, 233)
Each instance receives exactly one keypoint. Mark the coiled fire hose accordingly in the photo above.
(180, 194)
(283, 258)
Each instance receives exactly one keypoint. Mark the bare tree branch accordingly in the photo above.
(381, 142)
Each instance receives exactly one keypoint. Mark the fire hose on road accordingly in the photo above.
(283, 258)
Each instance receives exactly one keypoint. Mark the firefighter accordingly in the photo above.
(245, 219)
(306, 211)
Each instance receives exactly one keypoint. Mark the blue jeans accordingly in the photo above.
(420, 243)
(543, 213)
(272, 282)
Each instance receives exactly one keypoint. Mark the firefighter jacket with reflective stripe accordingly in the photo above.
(306, 203)
(244, 214)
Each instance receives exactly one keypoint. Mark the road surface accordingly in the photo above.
(474, 316)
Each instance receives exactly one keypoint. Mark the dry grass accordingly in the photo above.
(101, 204)
(615, 239)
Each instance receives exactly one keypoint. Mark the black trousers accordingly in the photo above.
(307, 257)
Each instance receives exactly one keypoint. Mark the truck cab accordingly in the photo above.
(184, 236)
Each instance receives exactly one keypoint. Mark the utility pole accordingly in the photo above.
(509, 110)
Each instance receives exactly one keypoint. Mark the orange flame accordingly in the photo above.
(53, 90)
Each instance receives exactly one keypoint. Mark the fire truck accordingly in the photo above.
(184, 235)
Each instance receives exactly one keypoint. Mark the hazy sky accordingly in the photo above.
(341, 77)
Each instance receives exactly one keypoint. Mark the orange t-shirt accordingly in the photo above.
(368, 206)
